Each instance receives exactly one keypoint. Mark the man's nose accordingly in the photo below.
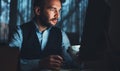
(57, 14)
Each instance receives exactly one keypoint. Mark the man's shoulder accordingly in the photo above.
(26, 24)
(56, 29)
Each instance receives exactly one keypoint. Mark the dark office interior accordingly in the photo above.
(93, 24)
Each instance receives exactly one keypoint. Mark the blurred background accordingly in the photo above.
(17, 12)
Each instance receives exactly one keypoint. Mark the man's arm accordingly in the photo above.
(69, 62)
(16, 41)
(65, 41)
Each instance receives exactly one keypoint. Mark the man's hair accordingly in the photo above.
(41, 3)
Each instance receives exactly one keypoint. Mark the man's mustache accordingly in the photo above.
(54, 19)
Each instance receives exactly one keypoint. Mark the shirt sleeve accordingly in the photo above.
(65, 45)
(29, 65)
(16, 40)
(69, 61)
(65, 41)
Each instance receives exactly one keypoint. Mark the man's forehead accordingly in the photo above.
(53, 3)
(39, 2)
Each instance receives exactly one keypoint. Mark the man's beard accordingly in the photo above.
(44, 21)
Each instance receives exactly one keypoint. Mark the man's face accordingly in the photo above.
(51, 12)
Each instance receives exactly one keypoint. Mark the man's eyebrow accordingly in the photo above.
(49, 7)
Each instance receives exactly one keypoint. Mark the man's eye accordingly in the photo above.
(60, 10)
(52, 9)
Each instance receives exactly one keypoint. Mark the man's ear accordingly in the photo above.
(37, 10)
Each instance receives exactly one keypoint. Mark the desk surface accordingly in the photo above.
(62, 70)
(74, 70)
(8, 59)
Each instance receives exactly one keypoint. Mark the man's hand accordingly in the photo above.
(51, 62)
